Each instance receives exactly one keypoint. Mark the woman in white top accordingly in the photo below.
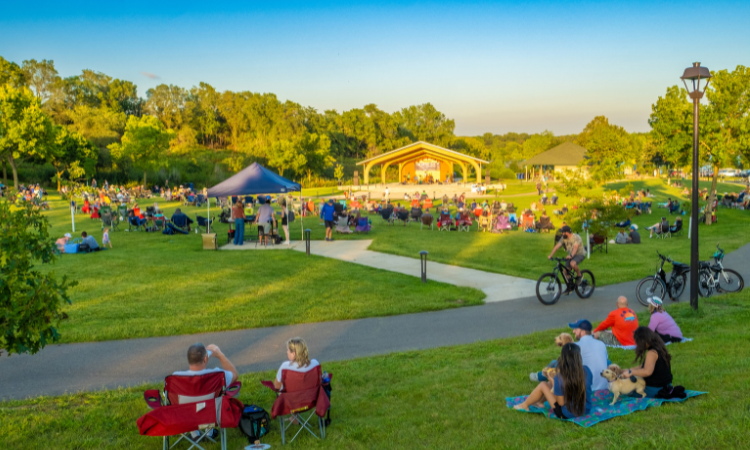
(299, 360)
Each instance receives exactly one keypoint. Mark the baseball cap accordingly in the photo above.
(656, 301)
(67, 235)
(582, 324)
(565, 229)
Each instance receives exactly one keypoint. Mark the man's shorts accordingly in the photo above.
(608, 338)
(329, 224)
(266, 227)
(577, 258)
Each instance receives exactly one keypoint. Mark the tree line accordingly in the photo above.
(89, 123)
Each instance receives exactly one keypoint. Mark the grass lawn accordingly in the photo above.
(156, 285)
(453, 398)
(525, 254)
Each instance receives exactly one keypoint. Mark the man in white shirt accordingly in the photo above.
(593, 353)
(198, 356)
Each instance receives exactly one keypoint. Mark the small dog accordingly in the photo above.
(623, 386)
(550, 373)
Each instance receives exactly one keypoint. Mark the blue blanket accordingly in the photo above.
(601, 409)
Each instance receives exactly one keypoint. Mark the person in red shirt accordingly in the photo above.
(623, 322)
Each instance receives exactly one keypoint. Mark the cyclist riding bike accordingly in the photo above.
(576, 253)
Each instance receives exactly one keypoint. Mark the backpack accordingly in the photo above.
(254, 422)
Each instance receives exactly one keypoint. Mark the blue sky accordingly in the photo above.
(492, 66)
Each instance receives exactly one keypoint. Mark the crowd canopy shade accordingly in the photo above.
(254, 179)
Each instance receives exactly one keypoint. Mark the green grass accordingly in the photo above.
(156, 285)
(452, 398)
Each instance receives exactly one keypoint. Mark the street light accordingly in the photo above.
(695, 74)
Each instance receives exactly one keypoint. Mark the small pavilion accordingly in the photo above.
(563, 157)
(422, 160)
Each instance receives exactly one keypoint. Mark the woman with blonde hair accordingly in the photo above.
(299, 359)
(662, 323)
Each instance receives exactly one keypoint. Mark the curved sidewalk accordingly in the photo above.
(105, 365)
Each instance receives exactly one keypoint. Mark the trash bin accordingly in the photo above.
(209, 241)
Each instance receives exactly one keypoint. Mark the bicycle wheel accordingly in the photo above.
(730, 281)
(678, 286)
(587, 285)
(705, 287)
(548, 289)
(650, 287)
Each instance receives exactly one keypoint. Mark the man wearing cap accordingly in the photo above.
(60, 243)
(576, 254)
(634, 237)
(623, 322)
(593, 354)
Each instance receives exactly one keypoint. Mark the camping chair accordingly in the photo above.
(664, 228)
(387, 215)
(180, 390)
(528, 222)
(159, 223)
(426, 221)
(599, 243)
(109, 220)
(363, 225)
(182, 223)
(445, 223)
(122, 212)
(403, 216)
(675, 208)
(134, 222)
(675, 229)
(623, 224)
(105, 209)
(302, 392)
(464, 221)
(415, 214)
(205, 223)
(199, 200)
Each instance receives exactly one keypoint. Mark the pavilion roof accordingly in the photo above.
(565, 154)
(424, 148)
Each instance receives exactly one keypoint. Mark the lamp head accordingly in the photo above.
(695, 74)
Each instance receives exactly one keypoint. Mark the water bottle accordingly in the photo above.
(326, 378)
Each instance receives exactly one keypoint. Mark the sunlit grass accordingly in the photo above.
(451, 397)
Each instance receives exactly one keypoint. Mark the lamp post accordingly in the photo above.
(423, 263)
(695, 74)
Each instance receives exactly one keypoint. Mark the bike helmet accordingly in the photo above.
(655, 301)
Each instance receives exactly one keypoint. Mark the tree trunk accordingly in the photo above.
(5, 175)
(59, 174)
(144, 179)
(12, 163)
(712, 196)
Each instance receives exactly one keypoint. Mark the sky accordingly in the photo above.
(491, 66)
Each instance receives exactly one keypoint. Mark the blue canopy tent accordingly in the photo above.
(254, 179)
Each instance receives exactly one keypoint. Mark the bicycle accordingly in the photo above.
(714, 277)
(658, 285)
(549, 287)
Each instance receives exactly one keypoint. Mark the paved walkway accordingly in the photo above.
(497, 287)
(105, 365)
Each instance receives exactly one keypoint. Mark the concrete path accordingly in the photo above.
(91, 366)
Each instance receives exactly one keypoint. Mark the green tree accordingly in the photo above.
(599, 215)
(71, 153)
(143, 145)
(168, 104)
(338, 172)
(608, 148)
(425, 123)
(30, 301)
(11, 74)
(25, 131)
(42, 77)
(537, 143)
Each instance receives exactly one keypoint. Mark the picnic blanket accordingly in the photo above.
(600, 406)
(632, 347)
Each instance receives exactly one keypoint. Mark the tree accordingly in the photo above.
(42, 77)
(572, 182)
(25, 131)
(425, 123)
(724, 124)
(338, 172)
(308, 153)
(537, 143)
(102, 126)
(30, 301)
(168, 104)
(11, 74)
(599, 215)
(608, 147)
(71, 153)
(144, 143)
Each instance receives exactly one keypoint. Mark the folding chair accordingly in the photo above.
(180, 390)
(445, 223)
(464, 222)
(675, 229)
(302, 392)
(363, 225)
(387, 215)
(427, 221)
(159, 223)
(599, 243)
(108, 220)
(663, 233)
(484, 223)
(134, 222)
(205, 223)
(403, 216)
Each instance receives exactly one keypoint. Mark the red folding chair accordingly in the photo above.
(186, 405)
(301, 392)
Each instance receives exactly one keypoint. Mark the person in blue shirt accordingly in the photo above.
(571, 395)
(326, 213)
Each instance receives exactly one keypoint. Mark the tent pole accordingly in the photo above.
(288, 241)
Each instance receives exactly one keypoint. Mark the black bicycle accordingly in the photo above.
(659, 286)
(714, 277)
(549, 287)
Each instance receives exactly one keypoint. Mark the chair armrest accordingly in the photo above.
(269, 385)
(153, 398)
(233, 389)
